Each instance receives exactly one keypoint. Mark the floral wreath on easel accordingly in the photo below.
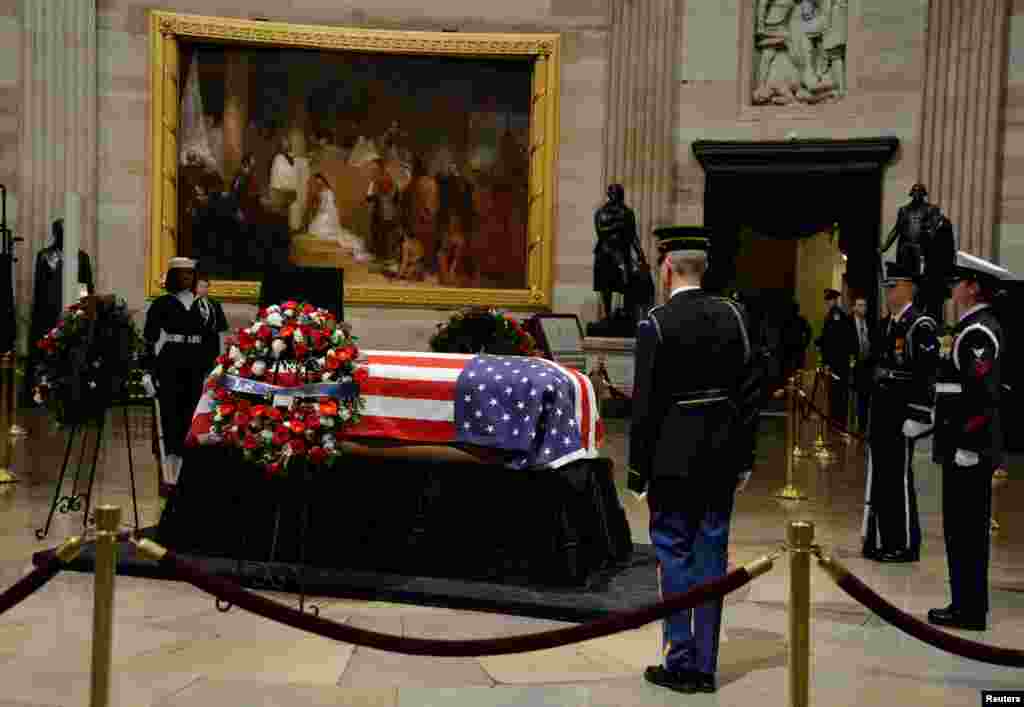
(287, 388)
(483, 330)
(87, 358)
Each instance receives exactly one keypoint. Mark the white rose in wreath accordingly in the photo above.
(259, 368)
(235, 354)
(275, 320)
(278, 347)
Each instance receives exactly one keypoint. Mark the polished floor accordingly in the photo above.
(171, 646)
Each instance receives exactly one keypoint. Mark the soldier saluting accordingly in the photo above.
(691, 445)
(902, 413)
(969, 439)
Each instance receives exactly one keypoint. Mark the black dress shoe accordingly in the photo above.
(955, 618)
(899, 556)
(705, 682)
(679, 680)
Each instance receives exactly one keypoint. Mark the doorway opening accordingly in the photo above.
(791, 219)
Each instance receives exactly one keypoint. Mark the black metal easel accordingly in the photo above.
(73, 503)
(8, 319)
(275, 577)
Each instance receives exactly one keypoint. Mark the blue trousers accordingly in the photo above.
(691, 545)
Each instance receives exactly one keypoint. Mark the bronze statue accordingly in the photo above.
(615, 267)
(926, 247)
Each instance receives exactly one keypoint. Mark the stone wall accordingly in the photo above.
(1010, 229)
(10, 103)
(886, 58)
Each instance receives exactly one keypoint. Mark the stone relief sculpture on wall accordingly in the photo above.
(800, 51)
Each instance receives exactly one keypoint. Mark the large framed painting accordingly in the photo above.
(422, 163)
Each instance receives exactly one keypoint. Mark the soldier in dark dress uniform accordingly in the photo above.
(969, 439)
(691, 446)
(902, 412)
(838, 342)
(181, 364)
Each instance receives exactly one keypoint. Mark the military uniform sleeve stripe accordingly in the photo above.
(981, 327)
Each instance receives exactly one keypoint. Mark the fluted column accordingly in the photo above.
(960, 131)
(639, 133)
(58, 128)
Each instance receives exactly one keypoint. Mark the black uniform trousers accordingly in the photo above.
(181, 370)
(891, 519)
(966, 524)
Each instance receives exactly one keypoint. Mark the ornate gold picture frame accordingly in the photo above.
(173, 35)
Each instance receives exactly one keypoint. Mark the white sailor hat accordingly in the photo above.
(179, 263)
(971, 267)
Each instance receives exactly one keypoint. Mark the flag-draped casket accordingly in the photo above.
(536, 413)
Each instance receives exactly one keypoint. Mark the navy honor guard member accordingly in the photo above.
(182, 363)
(902, 412)
(969, 439)
(691, 446)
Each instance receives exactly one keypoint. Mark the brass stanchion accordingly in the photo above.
(821, 450)
(7, 386)
(800, 536)
(798, 451)
(790, 491)
(999, 479)
(10, 397)
(108, 520)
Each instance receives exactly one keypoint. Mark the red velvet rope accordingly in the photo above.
(924, 632)
(833, 423)
(30, 583)
(620, 621)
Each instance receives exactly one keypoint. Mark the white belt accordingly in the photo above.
(182, 339)
(948, 388)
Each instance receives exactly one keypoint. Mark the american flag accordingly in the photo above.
(541, 414)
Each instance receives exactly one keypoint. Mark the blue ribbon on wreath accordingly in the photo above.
(346, 390)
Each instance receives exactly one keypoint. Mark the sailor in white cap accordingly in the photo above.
(174, 320)
(969, 438)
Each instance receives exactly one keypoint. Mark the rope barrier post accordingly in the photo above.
(791, 491)
(821, 450)
(800, 537)
(108, 520)
(798, 451)
(7, 387)
(999, 479)
(10, 398)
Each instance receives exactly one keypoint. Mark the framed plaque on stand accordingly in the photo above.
(560, 337)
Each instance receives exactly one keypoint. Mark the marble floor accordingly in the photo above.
(171, 647)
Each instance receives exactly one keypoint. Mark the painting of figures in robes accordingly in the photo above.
(405, 170)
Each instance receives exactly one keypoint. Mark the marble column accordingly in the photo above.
(58, 142)
(965, 76)
(640, 129)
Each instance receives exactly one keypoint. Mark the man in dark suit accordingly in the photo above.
(863, 371)
(838, 343)
(969, 439)
(691, 445)
(906, 356)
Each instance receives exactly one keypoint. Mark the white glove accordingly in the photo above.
(914, 429)
(741, 482)
(966, 458)
(148, 386)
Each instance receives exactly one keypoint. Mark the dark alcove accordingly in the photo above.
(793, 189)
